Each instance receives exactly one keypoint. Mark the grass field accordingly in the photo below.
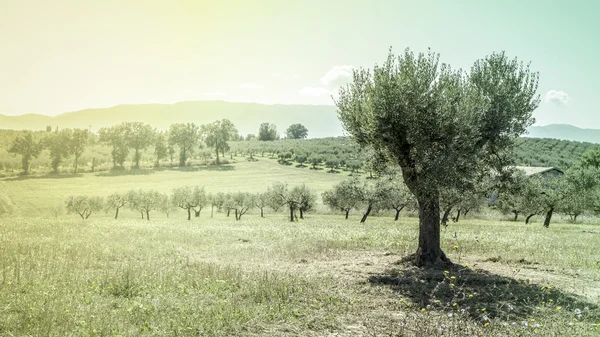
(323, 276)
(39, 195)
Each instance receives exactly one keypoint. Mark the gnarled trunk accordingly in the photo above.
(347, 212)
(291, 213)
(548, 217)
(516, 214)
(301, 213)
(148, 215)
(528, 217)
(429, 251)
(117, 213)
(364, 218)
(189, 213)
(262, 213)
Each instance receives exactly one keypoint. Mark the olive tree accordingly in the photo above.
(218, 134)
(440, 125)
(189, 199)
(344, 197)
(84, 205)
(116, 201)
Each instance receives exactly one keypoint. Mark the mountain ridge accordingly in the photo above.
(321, 120)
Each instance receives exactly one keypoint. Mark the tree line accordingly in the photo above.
(298, 200)
(180, 143)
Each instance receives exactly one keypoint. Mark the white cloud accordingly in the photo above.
(557, 96)
(252, 86)
(314, 91)
(215, 94)
(337, 76)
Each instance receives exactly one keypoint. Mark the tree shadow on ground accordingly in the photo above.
(43, 176)
(120, 172)
(476, 292)
(203, 168)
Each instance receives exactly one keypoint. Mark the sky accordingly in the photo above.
(66, 55)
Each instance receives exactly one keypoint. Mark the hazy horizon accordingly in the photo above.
(71, 55)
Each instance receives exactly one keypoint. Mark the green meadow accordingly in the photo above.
(321, 276)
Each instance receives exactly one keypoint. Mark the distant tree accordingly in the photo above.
(399, 197)
(166, 205)
(332, 163)
(58, 143)
(115, 202)
(138, 137)
(217, 200)
(280, 196)
(190, 199)
(26, 146)
(373, 197)
(301, 158)
(591, 159)
(78, 141)
(261, 201)
(345, 196)
(48, 128)
(161, 150)
(304, 198)
(250, 136)
(186, 137)
(145, 201)
(84, 205)
(441, 126)
(296, 131)
(267, 132)
(116, 138)
(218, 134)
(242, 202)
(314, 160)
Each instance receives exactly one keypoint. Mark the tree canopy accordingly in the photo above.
(441, 126)
(296, 131)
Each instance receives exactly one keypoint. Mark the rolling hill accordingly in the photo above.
(321, 120)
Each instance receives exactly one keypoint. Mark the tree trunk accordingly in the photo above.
(212, 207)
(228, 211)
(261, 213)
(575, 217)
(301, 213)
(445, 217)
(236, 214)
(216, 148)
(189, 213)
(81, 215)
(182, 157)
(137, 158)
(457, 215)
(528, 217)
(148, 215)
(196, 213)
(76, 158)
(291, 213)
(142, 215)
(364, 218)
(429, 251)
(465, 213)
(548, 217)
(347, 212)
(117, 213)
(516, 215)
(398, 210)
